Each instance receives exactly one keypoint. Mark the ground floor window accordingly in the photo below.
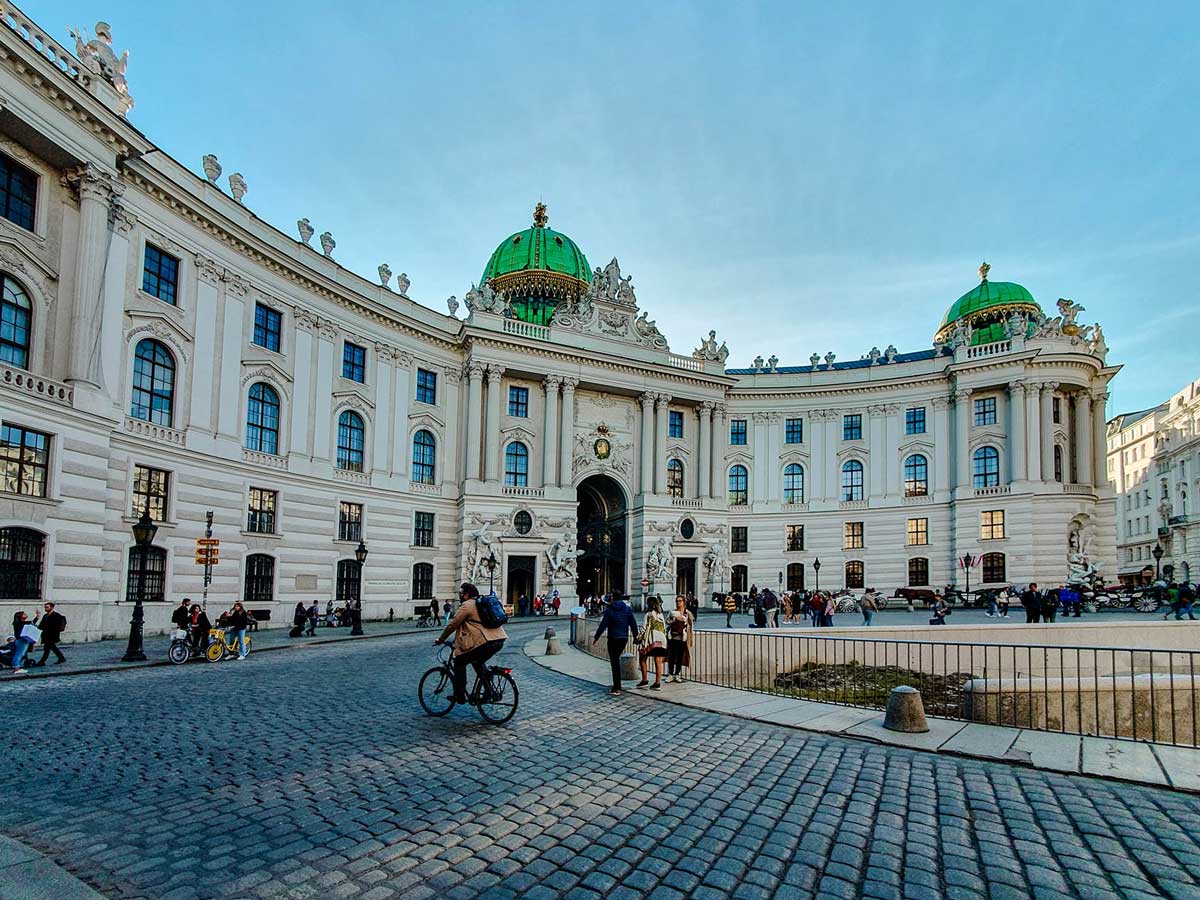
(21, 557)
(147, 574)
(795, 576)
(741, 577)
(918, 572)
(854, 574)
(993, 568)
(260, 579)
(349, 581)
(423, 581)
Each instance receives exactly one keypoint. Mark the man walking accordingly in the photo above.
(314, 616)
(618, 620)
(53, 624)
(729, 605)
(1031, 599)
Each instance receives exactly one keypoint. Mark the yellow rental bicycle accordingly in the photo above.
(220, 646)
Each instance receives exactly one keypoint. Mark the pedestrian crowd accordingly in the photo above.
(45, 628)
(661, 636)
(539, 606)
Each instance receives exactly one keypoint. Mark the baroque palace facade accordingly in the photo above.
(165, 349)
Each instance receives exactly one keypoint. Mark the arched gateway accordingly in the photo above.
(601, 516)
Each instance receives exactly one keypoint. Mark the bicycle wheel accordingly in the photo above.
(500, 704)
(215, 652)
(178, 653)
(436, 692)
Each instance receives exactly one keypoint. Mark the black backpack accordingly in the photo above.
(491, 611)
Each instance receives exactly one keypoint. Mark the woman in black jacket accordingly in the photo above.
(239, 621)
(200, 627)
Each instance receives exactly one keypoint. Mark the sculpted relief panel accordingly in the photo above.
(605, 429)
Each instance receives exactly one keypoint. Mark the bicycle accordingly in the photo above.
(495, 695)
(221, 646)
(428, 621)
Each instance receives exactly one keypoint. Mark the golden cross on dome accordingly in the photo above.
(539, 215)
(984, 268)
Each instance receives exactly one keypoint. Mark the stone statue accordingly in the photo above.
(452, 304)
(890, 353)
(814, 360)
(562, 556)
(647, 332)
(829, 358)
(479, 549)
(1097, 344)
(327, 244)
(874, 356)
(485, 298)
(1069, 311)
(607, 284)
(1079, 569)
(772, 362)
(758, 362)
(716, 560)
(402, 283)
(961, 335)
(237, 186)
(98, 56)
(212, 168)
(708, 349)
(385, 274)
(659, 563)
(306, 230)
(1017, 325)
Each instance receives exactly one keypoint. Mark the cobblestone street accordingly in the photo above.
(314, 774)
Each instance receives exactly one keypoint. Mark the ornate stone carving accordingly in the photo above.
(569, 384)
(327, 244)
(550, 384)
(121, 220)
(402, 283)
(709, 351)
(1097, 344)
(495, 372)
(98, 57)
(874, 356)
(562, 556)
(328, 330)
(385, 353)
(29, 267)
(453, 375)
(607, 284)
(235, 285)
(479, 547)
(890, 353)
(212, 168)
(237, 186)
(660, 565)
(814, 360)
(614, 323)
(961, 335)
(1017, 325)
(265, 373)
(306, 230)
(159, 330)
(758, 363)
(829, 358)
(452, 305)
(647, 333)
(484, 298)
(385, 274)
(89, 182)
(474, 369)
(760, 418)
(1081, 570)
(772, 362)
(716, 560)
(1069, 310)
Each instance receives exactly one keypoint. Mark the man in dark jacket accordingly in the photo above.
(179, 618)
(53, 624)
(1031, 599)
(619, 622)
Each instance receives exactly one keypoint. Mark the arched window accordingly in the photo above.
(349, 581)
(918, 572)
(916, 476)
(516, 465)
(674, 478)
(855, 577)
(422, 581)
(741, 576)
(1058, 466)
(424, 453)
(262, 419)
(153, 383)
(993, 568)
(739, 486)
(852, 480)
(260, 579)
(795, 576)
(351, 438)
(16, 319)
(153, 587)
(793, 483)
(21, 558)
(986, 467)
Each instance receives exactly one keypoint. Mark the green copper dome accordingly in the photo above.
(537, 268)
(986, 307)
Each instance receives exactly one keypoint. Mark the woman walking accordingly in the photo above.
(239, 621)
(654, 643)
(679, 632)
(830, 609)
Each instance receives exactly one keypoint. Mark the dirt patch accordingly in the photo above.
(870, 685)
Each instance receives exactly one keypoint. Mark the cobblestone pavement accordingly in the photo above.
(314, 774)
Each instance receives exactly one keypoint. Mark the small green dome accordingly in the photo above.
(986, 307)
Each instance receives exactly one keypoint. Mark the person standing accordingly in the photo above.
(679, 634)
(53, 624)
(179, 616)
(447, 612)
(314, 616)
(1050, 605)
(299, 619)
(1187, 597)
(1002, 601)
(654, 644)
(830, 609)
(618, 620)
(23, 641)
(729, 605)
(940, 610)
(869, 606)
(1031, 600)
(238, 623)
(556, 603)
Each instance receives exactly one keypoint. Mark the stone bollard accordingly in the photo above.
(549, 633)
(553, 647)
(629, 668)
(905, 711)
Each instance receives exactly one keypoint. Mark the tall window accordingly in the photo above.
(855, 576)
(516, 465)
(674, 423)
(793, 431)
(349, 581)
(739, 485)
(262, 419)
(795, 576)
(852, 480)
(350, 521)
(423, 457)
(423, 529)
(918, 532)
(351, 438)
(150, 489)
(24, 461)
(739, 539)
(852, 427)
(153, 586)
(260, 512)
(16, 316)
(986, 463)
(426, 386)
(268, 327)
(793, 483)
(985, 411)
(1058, 463)
(674, 478)
(21, 554)
(160, 274)
(741, 577)
(737, 431)
(354, 362)
(422, 581)
(916, 476)
(991, 525)
(914, 420)
(1056, 409)
(795, 538)
(18, 192)
(918, 572)
(993, 568)
(518, 402)
(153, 383)
(852, 536)
(260, 579)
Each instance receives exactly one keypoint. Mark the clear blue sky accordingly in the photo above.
(802, 177)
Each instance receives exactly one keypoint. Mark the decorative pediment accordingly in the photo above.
(352, 400)
(852, 452)
(916, 445)
(266, 370)
(739, 456)
(425, 418)
(678, 447)
(162, 328)
(989, 436)
(518, 433)
(609, 308)
(27, 267)
(794, 455)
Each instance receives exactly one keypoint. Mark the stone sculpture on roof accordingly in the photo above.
(98, 57)
(709, 351)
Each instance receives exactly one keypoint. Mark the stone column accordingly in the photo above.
(875, 463)
(96, 191)
(491, 437)
(891, 443)
(112, 315)
(474, 424)
(1017, 446)
(1047, 404)
(1083, 438)
(662, 406)
(647, 473)
(1100, 438)
(381, 448)
(566, 445)
(401, 448)
(962, 438)
(704, 451)
(941, 444)
(550, 437)
(452, 399)
(720, 432)
(205, 343)
(323, 408)
(1033, 431)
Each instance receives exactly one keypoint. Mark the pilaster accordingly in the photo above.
(491, 463)
(567, 429)
(550, 435)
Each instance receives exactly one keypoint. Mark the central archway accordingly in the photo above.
(601, 520)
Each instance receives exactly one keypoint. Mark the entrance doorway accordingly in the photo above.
(601, 518)
(520, 581)
(685, 576)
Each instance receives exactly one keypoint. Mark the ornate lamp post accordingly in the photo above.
(1157, 553)
(817, 573)
(360, 554)
(491, 563)
(144, 530)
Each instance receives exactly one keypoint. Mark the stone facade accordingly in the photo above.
(254, 312)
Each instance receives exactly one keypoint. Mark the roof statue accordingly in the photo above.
(829, 358)
(607, 284)
(237, 186)
(540, 218)
(385, 274)
(984, 268)
(212, 168)
(772, 362)
(452, 304)
(306, 230)
(709, 351)
(889, 353)
(758, 363)
(98, 57)
(1069, 310)
(484, 298)
(814, 360)
(327, 244)
(874, 356)
(402, 283)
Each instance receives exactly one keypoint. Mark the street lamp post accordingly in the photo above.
(144, 530)
(1157, 553)
(360, 554)
(968, 560)
(817, 573)
(491, 563)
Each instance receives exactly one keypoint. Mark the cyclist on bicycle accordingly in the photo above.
(474, 642)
